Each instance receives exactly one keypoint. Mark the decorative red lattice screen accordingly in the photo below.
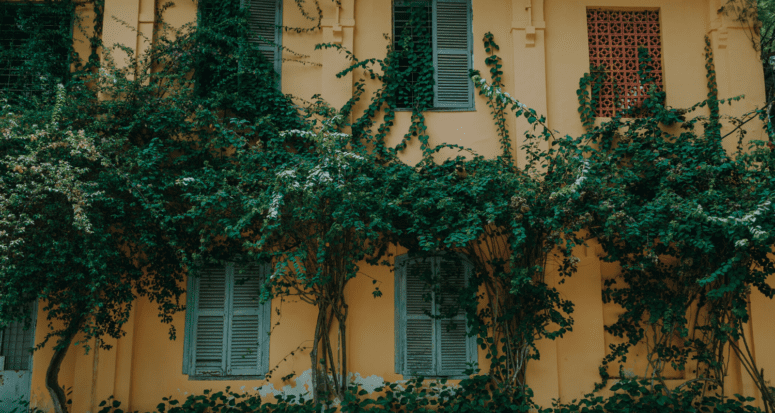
(614, 38)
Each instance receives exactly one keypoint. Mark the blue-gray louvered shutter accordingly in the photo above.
(265, 21)
(245, 349)
(452, 54)
(453, 343)
(418, 325)
(210, 318)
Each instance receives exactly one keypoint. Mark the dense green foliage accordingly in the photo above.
(474, 395)
(116, 186)
(702, 237)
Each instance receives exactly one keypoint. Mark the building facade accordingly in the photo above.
(546, 46)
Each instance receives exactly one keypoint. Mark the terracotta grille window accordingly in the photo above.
(614, 38)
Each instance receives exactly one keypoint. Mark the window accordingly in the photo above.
(449, 24)
(16, 344)
(265, 18)
(614, 39)
(34, 43)
(227, 330)
(428, 288)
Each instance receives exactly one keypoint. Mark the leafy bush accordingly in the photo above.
(632, 395)
(479, 394)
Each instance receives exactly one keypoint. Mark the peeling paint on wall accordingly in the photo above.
(303, 384)
(301, 390)
(366, 383)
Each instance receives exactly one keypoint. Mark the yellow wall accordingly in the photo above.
(544, 50)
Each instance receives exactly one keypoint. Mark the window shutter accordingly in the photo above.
(453, 340)
(245, 347)
(265, 19)
(210, 326)
(452, 54)
(418, 345)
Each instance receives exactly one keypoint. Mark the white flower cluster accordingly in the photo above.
(496, 93)
(35, 175)
(297, 132)
(312, 134)
(748, 221)
(185, 181)
(576, 185)
(107, 76)
(331, 171)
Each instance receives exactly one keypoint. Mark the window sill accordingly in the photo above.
(458, 377)
(217, 378)
(440, 110)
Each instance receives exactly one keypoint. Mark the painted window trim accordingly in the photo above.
(472, 95)
(278, 35)
(192, 299)
(399, 312)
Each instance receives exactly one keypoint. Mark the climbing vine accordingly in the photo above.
(681, 217)
(197, 159)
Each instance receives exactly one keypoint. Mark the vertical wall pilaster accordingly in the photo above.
(528, 30)
(338, 28)
(732, 42)
(120, 26)
(124, 354)
(145, 22)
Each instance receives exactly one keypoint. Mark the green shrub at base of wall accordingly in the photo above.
(474, 395)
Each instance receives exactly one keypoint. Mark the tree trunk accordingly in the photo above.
(56, 391)
(314, 358)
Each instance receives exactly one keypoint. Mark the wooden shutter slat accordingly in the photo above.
(419, 346)
(453, 340)
(452, 47)
(454, 354)
(244, 346)
(210, 342)
(209, 345)
(212, 289)
(419, 337)
(261, 20)
(452, 279)
(265, 20)
(244, 351)
(418, 301)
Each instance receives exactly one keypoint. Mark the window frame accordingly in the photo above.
(278, 48)
(189, 339)
(66, 62)
(33, 327)
(434, 30)
(400, 314)
(659, 11)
